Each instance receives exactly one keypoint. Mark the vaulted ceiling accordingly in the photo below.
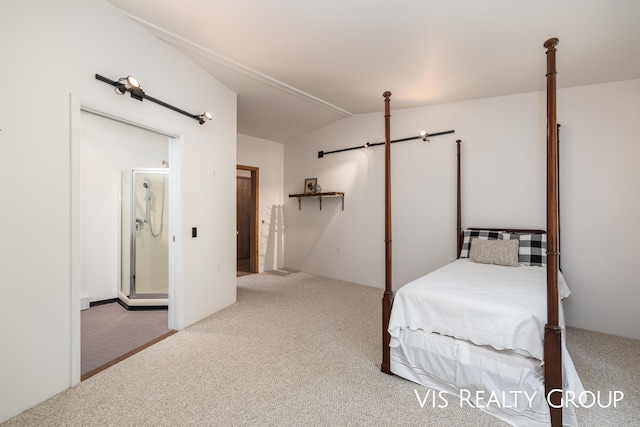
(299, 65)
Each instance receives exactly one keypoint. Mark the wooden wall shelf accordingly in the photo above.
(318, 196)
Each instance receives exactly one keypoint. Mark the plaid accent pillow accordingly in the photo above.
(477, 234)
(532, 249)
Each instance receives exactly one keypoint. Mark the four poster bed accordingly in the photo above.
(487, 327)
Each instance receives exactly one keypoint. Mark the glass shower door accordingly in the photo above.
(125, 233)
(145, 260)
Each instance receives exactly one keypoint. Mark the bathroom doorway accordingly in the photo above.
(247, 219)
(105, 149)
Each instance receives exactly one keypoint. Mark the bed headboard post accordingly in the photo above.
(553, 332)
(387, 299)
(458, 204)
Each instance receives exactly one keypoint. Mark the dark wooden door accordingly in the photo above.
(243, 219)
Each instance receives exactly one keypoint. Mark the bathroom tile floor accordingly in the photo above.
(109, 332)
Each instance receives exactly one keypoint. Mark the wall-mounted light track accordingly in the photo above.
(131, 85)
(423, 136)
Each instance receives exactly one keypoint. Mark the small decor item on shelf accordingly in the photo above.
(310, 185)
(318, 188)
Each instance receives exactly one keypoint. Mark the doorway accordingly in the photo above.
(246, 220)
(102, 145)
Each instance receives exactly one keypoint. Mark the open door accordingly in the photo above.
(247, 219)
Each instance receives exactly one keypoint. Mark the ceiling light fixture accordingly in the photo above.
(131, 85)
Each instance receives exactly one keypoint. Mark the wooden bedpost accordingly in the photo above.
(553, 332)
(458, 205)
(559, 198)
(387, 299)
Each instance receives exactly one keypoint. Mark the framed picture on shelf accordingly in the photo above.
(310, 185)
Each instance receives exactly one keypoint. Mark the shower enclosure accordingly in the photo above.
(144, 242)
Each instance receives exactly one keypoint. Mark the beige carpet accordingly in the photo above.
(300, 350)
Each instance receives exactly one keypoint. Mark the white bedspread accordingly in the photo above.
(503, 307)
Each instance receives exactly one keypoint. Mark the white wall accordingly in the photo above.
(48, 55)
(268, 156)
(600, 190)
(423, 182)
(503, 185)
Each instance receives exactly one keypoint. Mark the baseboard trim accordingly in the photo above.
(102, 302)
(141, 307)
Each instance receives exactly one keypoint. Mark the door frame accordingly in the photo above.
(254, 221)
(175, 141)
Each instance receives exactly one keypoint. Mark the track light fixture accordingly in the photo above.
(422, 135)
(131, 85)
(205, 116)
